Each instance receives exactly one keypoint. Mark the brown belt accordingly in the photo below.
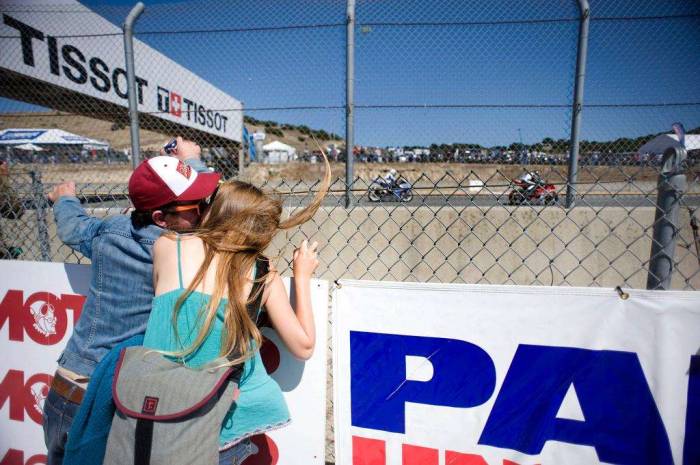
(67, 389)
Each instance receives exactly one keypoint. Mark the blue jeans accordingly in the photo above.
(58, 418)
(238, 453)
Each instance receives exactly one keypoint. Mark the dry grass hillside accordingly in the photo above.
(118, 136)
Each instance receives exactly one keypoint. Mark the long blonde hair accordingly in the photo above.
(238, 226)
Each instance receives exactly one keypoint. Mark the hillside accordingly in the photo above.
(118, 137)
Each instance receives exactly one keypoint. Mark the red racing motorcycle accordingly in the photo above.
(531, 189)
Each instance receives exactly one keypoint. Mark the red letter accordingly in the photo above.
(457, 458)
(368, 451)
(24, 397)
(12, 309)
(38, 459)
(12, 387)
(267, 454)
(46, 319)
(35, 391)
(75, 302)
(270, 355)
(13, 457)
(415, 455)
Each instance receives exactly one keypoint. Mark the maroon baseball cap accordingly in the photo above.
(162, 180)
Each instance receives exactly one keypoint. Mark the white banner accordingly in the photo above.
(39, 304)
(79, 50)
(431, 374)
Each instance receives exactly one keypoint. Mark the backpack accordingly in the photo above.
(167, 413)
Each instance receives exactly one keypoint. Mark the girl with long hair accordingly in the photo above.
(203, 284)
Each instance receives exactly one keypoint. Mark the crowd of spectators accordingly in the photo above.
(493, 156)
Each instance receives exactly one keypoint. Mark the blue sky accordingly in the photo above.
(488, 77)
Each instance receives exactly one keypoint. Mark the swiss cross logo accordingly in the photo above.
(150, 404)
(172, 103)
(184, 170)
(175, 104)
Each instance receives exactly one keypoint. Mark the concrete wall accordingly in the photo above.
(499, 245)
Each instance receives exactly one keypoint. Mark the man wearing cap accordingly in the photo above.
(167, 192)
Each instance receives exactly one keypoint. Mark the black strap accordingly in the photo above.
(143, 437)
(262, 268)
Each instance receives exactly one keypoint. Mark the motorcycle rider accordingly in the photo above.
(530, 180)
(390, 178)
(390, 185)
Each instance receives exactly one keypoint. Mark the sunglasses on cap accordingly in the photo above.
(170, 147)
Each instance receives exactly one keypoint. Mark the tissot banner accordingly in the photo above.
(39, 304)
(66, 44)
(435, 374)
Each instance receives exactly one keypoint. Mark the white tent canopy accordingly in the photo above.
(44, 137)
(29, 146)
(278, 152)
(660, 143)
(277, 145)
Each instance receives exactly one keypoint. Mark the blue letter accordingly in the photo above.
(691, 447)
(621, 418)
(463, 376)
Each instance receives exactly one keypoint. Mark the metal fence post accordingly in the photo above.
(40, 206)
(671, 187)
(243, 149)
(131, 81)
(350, 104)
(582, 54)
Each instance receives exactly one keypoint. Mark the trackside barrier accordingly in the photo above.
(39, 305)
(474, 374)
(427, 113)
(483, 375)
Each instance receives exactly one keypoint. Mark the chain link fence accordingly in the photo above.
(462, 98)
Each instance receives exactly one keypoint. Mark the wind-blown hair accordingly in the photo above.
(238, 226)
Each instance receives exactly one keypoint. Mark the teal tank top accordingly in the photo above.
(260, 406)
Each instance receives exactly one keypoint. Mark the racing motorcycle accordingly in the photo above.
(387, 190)
(531, 189)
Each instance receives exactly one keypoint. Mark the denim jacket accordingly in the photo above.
(121, 286)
